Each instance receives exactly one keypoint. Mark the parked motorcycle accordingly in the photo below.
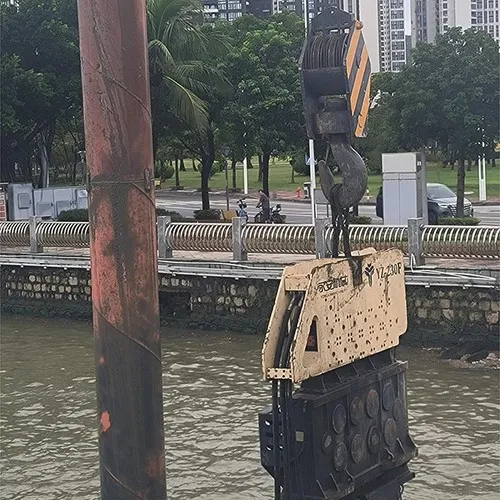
(276, 216)
(242, 209)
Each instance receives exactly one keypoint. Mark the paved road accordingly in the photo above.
(297, 213)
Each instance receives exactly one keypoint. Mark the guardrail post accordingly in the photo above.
(415, 241)
(35, 246)
(319, 237)
(164, 251)
(239, 252)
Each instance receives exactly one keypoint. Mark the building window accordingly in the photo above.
(398, 45)
(397, 14)
(490, 16)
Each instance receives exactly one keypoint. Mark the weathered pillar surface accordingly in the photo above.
(113, 47)
(415, 241)
(239, 252)
(164, 251)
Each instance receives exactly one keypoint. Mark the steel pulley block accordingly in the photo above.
(335, 76)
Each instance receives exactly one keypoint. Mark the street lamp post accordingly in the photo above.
(481, 165)
(225, 151)
(245, 163)
(312, 161)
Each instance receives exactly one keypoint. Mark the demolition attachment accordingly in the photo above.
(335, 76)
(343, 433)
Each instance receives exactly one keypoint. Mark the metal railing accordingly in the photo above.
(192, 236)
(278, 238)
(379, 237)
(461, 241)
(415, 240)
(63, 234)
(15, 234)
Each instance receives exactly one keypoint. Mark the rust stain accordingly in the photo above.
(105, 421)
(155, 465)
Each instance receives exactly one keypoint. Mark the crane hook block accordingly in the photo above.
(335, 76)
(344, 316)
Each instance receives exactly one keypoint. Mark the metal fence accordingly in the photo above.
(14, 234)
(461, 241)
(278, 238)
(379, 237)
(422, 241)
(59, 234)
(215, 237)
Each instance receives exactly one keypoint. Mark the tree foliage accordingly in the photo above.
(40, 80)
(182, 78)
(449, 96)
(235, 86)
(262, 67)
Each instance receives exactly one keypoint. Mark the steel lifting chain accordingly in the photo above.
(342, 196)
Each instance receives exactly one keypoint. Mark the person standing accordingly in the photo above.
(265, 205)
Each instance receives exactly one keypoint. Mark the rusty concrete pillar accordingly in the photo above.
(113, 46)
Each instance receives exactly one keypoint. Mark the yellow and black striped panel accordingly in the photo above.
(358, 71)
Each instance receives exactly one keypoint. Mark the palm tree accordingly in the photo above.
(179, 56)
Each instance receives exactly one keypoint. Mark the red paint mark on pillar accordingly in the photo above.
(105, 421)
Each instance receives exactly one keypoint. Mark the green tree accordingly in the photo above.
(383, 131)
(40, 81)
(179, 53)
(184, 80)
(262, 67)
(450, 95)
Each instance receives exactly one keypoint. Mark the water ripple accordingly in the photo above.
(213, 393)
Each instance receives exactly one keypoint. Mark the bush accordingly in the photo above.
(359, 219)
(175, 216)
(297, 161)
(458, 221)
(163, 170)
(211, 214)
(75, 215)
(168, 172)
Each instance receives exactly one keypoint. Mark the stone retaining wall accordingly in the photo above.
(437, 315)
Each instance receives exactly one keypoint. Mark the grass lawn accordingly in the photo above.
(280, 179)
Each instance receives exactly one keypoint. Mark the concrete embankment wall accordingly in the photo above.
(438, 316)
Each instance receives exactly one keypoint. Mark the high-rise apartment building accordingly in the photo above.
(423, 21)
(478, 14)
(430, 17)
(392, 35)
(229, 10)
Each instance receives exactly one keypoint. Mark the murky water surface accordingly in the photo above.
(213, 393)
